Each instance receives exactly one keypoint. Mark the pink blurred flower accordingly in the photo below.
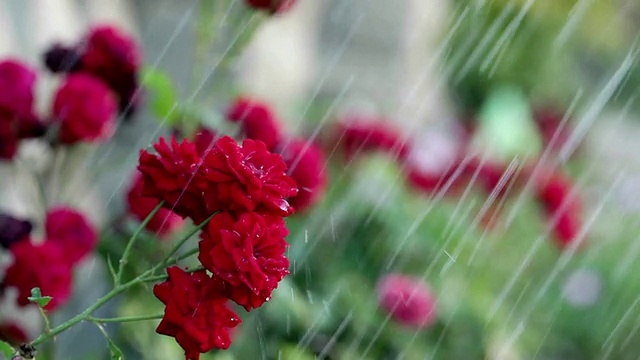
(408, 300)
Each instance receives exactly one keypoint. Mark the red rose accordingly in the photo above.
(204, 140)
(247, 252)
(85, 109)
(72, 231)
(17, 120)
(246, 178)
(306, 166)
(554, 133)
(408, 300)
(43, 265)
(172, 176)
(357, 134)
(256, 120)
(562, 205)
(196, 313)
(273, 6)
(17, 81)
(164, 222)
(114, 58)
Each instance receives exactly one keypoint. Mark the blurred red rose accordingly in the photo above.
(40, 265)
(408, 300)
(72, 232)
(85, 109)
(358, 134)
(256, 120)
(306, 165)
(114, 58)
(17, 119)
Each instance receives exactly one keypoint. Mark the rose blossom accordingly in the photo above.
(247, 252)
(196, 313)
(172, 175)
(72, 231)
(164, 222)
(17, 120)
(306, 165)
(562, 205)
(256, 120)
(246, 178)
(408, 300)
(43, 265)
(85, 109)
(357, 134)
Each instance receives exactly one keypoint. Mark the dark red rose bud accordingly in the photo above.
(204, 140)
(13, 230)
(62, 59)
(256, 120)
(273, 6)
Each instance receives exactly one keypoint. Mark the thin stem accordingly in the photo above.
(164, 277)
(132, 240)
(167, 259)
(47, 324)
(86, 314)
(124, 318)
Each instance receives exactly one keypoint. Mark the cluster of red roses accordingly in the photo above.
(243, 246)
(305, 161)
(44, 263)
(552, 188)
(102, 73)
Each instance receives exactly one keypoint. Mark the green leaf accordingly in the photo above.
(507, 128)
(36, 297)
(164, 99)
(6, 349)
(116, 353)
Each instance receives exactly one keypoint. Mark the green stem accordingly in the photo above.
(124, 318)
(86, 314)
(132, 240)
(167, 259)
(164, 277)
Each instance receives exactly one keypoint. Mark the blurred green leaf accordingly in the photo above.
(163, 94)
(506, 125)
(6, 349)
